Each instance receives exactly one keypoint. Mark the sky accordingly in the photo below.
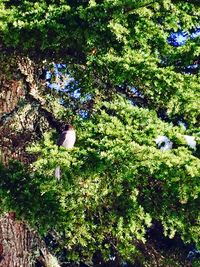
(179, 38)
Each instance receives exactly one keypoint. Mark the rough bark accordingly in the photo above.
(11, 92)
(17, 243)
(24, 112)
(23, 115)
(22, 247)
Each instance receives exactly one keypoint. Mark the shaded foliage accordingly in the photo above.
(111, 71)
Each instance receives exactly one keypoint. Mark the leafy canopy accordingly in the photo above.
(112, 43)
(116, 181)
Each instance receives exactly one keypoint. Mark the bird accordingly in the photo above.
(67, 140)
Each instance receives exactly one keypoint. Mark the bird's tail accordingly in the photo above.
(57, 173)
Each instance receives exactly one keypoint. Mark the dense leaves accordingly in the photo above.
(130, 92)
(116, 44)
(114, 183)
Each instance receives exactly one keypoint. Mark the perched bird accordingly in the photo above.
(67, 140)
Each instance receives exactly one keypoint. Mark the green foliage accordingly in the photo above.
(116, 180)
(196, 263)
(114, 183)
(21, 192)
(116, 42)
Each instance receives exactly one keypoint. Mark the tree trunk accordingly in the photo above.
(21, 247)
(17, 243)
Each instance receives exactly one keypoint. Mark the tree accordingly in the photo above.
(136, 111)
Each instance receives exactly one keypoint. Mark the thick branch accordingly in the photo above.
(32, 95)
(7, 116)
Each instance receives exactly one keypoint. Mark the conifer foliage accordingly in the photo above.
(108, 68)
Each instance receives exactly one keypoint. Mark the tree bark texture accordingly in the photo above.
(11, 92)
(24, 112)
(17, 243)
(22, 247)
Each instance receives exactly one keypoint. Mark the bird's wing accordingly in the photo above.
(61, 139)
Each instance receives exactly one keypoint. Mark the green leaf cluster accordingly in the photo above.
(115, 182)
